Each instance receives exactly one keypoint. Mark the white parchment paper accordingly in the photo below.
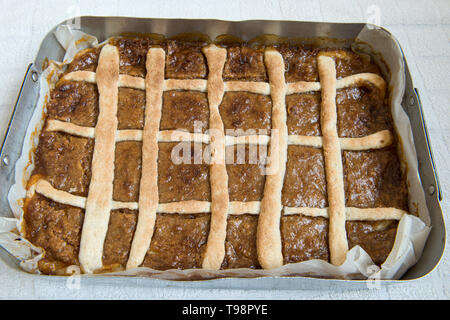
(412, 231)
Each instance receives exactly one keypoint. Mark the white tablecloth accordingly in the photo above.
(422, 27)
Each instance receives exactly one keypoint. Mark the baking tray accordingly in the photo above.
(105, 27)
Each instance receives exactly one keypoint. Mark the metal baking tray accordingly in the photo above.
(104, 27)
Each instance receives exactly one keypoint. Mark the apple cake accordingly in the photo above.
(180, 154)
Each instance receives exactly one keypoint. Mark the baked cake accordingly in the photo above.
(179, 154)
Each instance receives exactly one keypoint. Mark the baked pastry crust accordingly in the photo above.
(270, 244)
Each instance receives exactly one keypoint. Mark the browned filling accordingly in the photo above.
(122, 224)
(65, 161)
(56, 228)
(185, 110)
(130, 109)
(371, 178)
(240, 243)
(185, 60)
(304, 238)
(303, 114)
(361, 112)
(127, 171)
(75, 102)
(186, 180)
(179, 242)
(246, 113)
(375, 237)
(374, 179)
(245, 172)
(304, 183)
(244, 63)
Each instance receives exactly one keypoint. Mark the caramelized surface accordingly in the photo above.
(304, 238)
(361, 112)
(130, 109)
(57, 229)
(246, 113)
(303, 114)
(75, 102)
(185, 60)
(127, 171)
(240, 243)
(304, 182)
(122, 224)
(244, 63)
(186, 180)
(183, 110)
(178, 242)
(245, 170)
(374, 179)
(65, 161)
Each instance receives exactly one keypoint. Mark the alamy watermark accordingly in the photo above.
(234, 153)
(373, 277)
(75, 22)
(373, 16)
(73, 282)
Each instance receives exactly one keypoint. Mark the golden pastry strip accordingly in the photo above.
(376, 140)
(333, 162)
(148, 192)
(268, 238)
(215, 248)
(249, 86)
(99, 199)
(44, 188)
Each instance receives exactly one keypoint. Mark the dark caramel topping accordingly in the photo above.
(178, 242)
(56, 228)
(244, 63)
(375, 237)
(130, 109)
(245, 168)
(349, 62)
(246, 111)
(65, 161)
(127, 171)
(85, 60)
(133, 54)
(185, 60)
(116, 249)
(303, 114)
(183, 179)
(182, 110)
(304, 238)
(240, 243)
(75, 102)
(300, 63)
(374, 179)
(361, 112)
(304, 182)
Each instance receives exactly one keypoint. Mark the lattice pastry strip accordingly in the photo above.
(333, 161)
(235, 207)
(99, 199)
(268, 236)
(215, 247)
(148, 192)
(376, 140)
(248, 86)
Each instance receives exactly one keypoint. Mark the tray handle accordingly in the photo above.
(11, 144)
(429, 149)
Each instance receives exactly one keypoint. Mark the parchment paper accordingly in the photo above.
(412, 231)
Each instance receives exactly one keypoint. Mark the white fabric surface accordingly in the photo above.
(422, 27)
